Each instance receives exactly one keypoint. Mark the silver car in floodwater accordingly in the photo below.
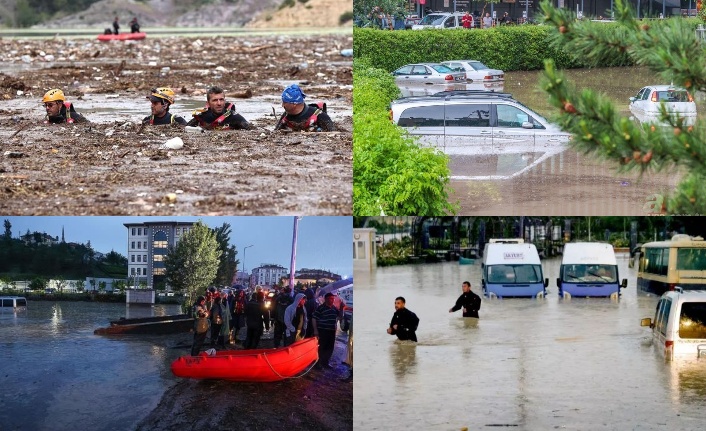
(645, 106)
(475, 70)
(426, 74)
(473, 126)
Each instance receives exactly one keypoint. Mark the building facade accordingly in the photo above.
(364, 249)
(148, 244)
(268, 274)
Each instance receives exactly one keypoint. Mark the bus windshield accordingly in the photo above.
(691, 259)
(514, 274)
(590, 274)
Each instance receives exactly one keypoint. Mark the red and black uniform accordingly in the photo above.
(228, 120)
(168, 118)
(313, 118)
(72, 117)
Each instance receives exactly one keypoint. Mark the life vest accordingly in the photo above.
(310, 122)
(69, 120)
(171, 118)
(218, 122)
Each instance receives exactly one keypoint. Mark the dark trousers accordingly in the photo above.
(215, 332)
(253, 337)
(327, 340)
(199, 339)
(279, 332)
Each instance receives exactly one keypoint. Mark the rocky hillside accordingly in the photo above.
(311, 13)
(207, 13)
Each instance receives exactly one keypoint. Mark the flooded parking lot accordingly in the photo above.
(576, 364)
(526, 176)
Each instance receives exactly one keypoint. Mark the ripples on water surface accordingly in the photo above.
(56, 375)
(583, 364)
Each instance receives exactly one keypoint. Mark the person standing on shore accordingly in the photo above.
(200, 325)
(295, 320)
(216, 320)
(116, 26)
(282, 301)
(324, 322)
(404, 322)
(469, 301)
(255, 313)
(239, 304)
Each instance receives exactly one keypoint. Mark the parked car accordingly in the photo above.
(679, 326)
(427, 73)
(484, 133)
(409, 90)
(475, 70)
(645, 106)
(440, 20)
(411, 20)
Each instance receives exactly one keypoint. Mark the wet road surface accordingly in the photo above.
(581, 364)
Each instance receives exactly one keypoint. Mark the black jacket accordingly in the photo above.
(168, 118)
(406, 322)
(470, 302)
(255, 314)
(206, 117)
(298, 122)
(63, 115)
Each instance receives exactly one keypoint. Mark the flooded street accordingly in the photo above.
(57, 375)
(581, 364)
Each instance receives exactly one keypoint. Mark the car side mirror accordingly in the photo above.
(546, 282)
(624, 284)
(646, 322)
(632, 99)
(527, 125)
(558, 282)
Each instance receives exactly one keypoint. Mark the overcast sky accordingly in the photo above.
(323, 242)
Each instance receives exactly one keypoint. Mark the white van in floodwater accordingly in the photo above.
(679, 326)
(511, 268)
(13, 303)
(589, 269)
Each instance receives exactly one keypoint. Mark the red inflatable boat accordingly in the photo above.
(122, 36)
(261, 365)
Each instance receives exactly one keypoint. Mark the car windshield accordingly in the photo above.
(673, 96)
(432, 20)
(441, 68)
(477, 65)
(514, 274)
(692, 322)
(590, 274)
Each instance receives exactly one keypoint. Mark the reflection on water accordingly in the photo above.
(57, 375)
(526, 363)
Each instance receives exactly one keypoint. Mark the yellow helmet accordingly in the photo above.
(53, 95)
(164, 93)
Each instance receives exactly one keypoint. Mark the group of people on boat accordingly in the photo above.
(405, 322)
(134, 26)
(218, 114)
(220, 316)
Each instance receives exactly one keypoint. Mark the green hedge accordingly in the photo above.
(391, 173)
(507, 48)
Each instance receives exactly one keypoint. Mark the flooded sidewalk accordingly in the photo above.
(527, 364)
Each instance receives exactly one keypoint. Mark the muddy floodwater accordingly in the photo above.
(579, 364)
(56, 374)
(115, 166)
(550, 179)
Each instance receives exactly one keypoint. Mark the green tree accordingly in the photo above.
(101, 286)
(8, 230)
(38, 283)
(364, 9)
(60, 283)
(192, 265)
(227, 262)
(667, 47)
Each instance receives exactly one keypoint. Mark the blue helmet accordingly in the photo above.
(293, 94)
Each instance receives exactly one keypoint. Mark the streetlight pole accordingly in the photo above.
(244, 263)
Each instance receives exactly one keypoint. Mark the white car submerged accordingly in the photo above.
(475, 70)
(645, 106)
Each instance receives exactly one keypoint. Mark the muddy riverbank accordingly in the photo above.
(114, 166)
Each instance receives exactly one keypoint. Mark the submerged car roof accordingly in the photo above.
(588, 253)
(457, 95)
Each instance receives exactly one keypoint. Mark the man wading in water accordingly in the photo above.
(404, 322)
(469, 301)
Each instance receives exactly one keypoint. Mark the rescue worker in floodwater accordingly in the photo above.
(298, 116)
(404, 322)
(469, 301)
(161, 99)
(59, 110)
(218, 114)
